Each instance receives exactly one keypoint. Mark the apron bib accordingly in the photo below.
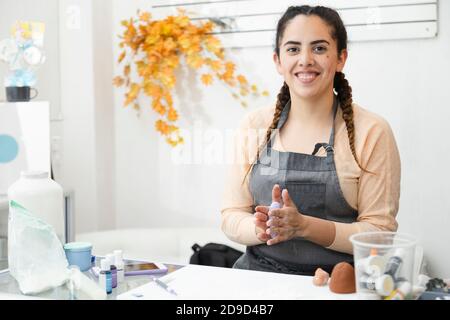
(314, 187)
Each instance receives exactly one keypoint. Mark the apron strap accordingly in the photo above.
(329, 147)
(335, 108)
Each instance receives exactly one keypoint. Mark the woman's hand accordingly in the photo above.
(261, 215)
(286, 223)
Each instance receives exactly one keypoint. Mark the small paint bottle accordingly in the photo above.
(111, 261)
(401, 293)
(105, 278)
(274, 205)
(394, 263)
(384, 285)
(120, 265)
(372, 265)
(367, 281)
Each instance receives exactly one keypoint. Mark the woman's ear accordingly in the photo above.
(276, 60)
(342, 58)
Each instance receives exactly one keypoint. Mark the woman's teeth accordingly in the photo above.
(306, 77)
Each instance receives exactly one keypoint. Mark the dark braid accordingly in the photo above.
(282, 99)
(344, 92)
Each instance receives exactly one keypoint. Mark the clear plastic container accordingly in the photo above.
(384, 265)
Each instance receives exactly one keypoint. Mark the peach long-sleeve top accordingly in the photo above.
(374, 195)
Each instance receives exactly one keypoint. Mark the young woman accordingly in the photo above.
(333, 165)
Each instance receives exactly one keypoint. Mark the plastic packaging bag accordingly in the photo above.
(36, 256)
(81, 287)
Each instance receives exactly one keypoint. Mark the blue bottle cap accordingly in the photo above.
(77, 246)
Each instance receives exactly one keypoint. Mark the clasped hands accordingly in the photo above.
(285, 223)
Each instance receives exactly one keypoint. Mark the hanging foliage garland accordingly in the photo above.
(155, 48)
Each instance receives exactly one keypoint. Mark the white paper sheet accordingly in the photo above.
(195, 282)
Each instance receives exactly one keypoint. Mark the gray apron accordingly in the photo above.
(314, 187)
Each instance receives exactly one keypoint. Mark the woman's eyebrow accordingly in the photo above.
(299, 43)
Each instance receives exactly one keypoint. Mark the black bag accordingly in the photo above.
(214, 254)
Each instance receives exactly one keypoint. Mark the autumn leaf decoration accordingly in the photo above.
(156, 48)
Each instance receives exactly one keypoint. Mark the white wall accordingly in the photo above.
(104, 112)
(77, 100)
(402, 80)
(86, 98)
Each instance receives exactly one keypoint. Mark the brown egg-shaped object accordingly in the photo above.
(343, 278)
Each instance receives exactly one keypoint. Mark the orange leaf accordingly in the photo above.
(195, 61)
(169, 44)
(172, 62)
(184, 42)
(118, 81)
(126, 70)
(162, 127)
(168, 80)
(207, 79)
(172, 115)
(182, 20)
(145, 16)
(175, 141)
(229, 66)
(207, 27)
(152, 39)
(216, 65)
(166, 29)
(153, 91)
(213, 44)
(132, 93)
(242, 80)
(220, 54)
(158, 107)
(168, 99)
(122, 55)
(227, 76)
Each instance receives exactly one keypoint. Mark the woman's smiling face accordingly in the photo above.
(308, 58)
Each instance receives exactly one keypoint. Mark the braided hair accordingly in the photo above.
(340, 83)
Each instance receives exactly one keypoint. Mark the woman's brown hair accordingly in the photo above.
(340, 84)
